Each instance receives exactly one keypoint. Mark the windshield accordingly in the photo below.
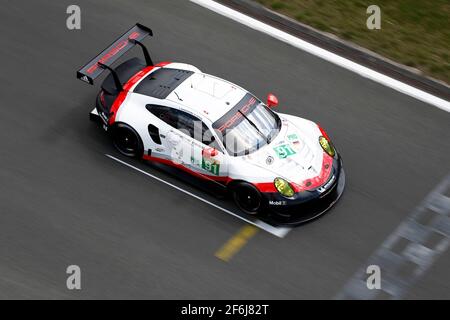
(247, 127)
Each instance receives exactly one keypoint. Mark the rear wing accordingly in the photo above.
(118, 48)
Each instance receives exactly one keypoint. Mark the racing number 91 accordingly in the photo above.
(211, 166)
(284, 151)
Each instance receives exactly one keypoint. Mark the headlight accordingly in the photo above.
(283, 187)
(327, 146)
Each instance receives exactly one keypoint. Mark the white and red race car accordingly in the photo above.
(280, 167)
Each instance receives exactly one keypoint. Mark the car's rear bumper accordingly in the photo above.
(305, 206)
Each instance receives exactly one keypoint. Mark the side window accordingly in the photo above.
(185, 122)
(166, 114)
(195, 128)
(188, 123)
(209, 138)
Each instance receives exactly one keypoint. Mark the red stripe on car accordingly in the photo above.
(162, 64)
(222, 179)
(128, 85)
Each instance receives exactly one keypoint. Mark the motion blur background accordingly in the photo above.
(415, 33)
(63, 202)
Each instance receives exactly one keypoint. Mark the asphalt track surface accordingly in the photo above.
(63, 202)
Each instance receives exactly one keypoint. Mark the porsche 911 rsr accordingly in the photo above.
(282, 168)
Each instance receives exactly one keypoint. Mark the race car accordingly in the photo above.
(278, 167)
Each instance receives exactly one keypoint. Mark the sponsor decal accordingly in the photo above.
(277, 203)
(293, 139)
(284, 151)
(326, 185)
(85, 79)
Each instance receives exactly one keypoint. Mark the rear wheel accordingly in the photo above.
(247, 197)
(127, 141)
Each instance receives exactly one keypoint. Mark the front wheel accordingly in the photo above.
(127, 140)
(247, 198)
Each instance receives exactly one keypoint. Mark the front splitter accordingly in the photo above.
(305, 212)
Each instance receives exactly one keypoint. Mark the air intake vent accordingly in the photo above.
(162, 82)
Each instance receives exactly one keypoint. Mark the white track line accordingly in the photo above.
(280, 232)
(324, 54)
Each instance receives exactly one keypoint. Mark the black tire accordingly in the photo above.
(247, 197)
(127, 141)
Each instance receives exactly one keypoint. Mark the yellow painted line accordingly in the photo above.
(236, 243)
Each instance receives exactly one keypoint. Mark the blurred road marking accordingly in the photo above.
(280, 232)
(232, 246)
(324, 54)
(409, 251)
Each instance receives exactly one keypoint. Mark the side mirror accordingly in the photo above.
(209, 152)
(272, 100)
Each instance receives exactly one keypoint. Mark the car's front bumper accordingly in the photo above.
(307, 205)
